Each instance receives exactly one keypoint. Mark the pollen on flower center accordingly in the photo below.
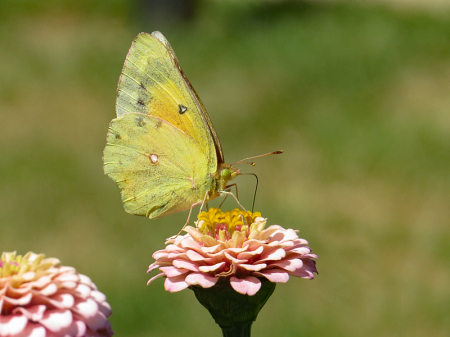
(10, 264)
(221, 225)
(24, 268)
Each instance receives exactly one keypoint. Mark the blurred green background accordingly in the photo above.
(358, 97)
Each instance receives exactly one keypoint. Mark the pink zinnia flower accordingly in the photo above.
(236, 246)
(40, 299)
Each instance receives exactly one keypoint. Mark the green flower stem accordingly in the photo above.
(232, 311)
(238, 330)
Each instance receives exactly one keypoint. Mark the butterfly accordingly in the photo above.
(162, 149)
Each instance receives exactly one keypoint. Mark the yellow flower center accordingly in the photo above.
(17, 265)
(221, 225)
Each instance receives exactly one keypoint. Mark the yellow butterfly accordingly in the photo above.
(162, 149)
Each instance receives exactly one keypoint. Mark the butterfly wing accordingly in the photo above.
(201, 108)
(153, 83)
(158, 167)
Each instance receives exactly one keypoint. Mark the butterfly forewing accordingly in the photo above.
(151, 83)
(194, 95)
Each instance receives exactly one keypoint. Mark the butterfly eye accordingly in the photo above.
(153, 158)
(225, 173)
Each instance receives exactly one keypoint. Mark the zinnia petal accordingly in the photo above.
(49, 290)
(303, 273)
(174, 284)
(24, 300)
(300, 250)
(274, 275)
(160, 254)
(155, 277)
(269, 231)
(201, 279)
(33, 330)
(248, 286)
(189, 243)
(273, 254)
(83, 290)
(56, 319)
(285, 235)
(172, 271)
(194, 255)
(62, 301)
(233, 259)
(34, 313)
(253, 267)
(193, 266)
(11, 325)
(213, 249)
(214, 267)
(289, 265)
(250, 254)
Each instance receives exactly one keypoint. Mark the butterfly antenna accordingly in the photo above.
(261, 155)
(256, 187)
(248, 162)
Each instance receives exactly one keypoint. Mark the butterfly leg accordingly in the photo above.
(203, 203)
(189, 216)
(190, 211)
(230, 193)
(187, 221)
(220, 206)
(228, 188)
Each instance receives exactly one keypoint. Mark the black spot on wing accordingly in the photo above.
(182, 109)
(140, 121)
(144, 97)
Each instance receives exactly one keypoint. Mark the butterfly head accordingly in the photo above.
(226, 173)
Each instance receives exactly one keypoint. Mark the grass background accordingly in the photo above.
(357, 97)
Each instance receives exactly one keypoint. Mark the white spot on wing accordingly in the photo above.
(153, 158)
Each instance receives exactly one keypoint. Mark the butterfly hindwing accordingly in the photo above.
(158, 167)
